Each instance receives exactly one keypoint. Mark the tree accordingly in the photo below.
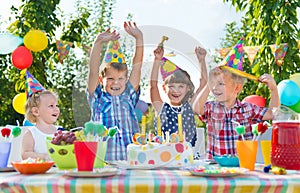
(61, 78)
(269, 22)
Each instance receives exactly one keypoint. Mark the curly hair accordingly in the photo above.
(34, 101)
(181, 76)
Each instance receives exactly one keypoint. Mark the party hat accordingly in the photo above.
(114, 53)
(32, 85)
(167, 68)
(233, 62)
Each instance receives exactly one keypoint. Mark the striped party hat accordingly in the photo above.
(32, 85)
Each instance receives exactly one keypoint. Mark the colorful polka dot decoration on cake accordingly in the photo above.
(114, 53)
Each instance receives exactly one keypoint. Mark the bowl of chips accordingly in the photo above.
(227, 160)
(32, 166)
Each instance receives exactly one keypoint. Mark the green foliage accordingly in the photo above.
(265, 23)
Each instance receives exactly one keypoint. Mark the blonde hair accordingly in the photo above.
(34, 101)
(218, 71)
(181, 76)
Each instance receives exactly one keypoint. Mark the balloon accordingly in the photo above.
(35, 40)
(256, 100)
(21, 58)
(139, 114)
(296, 107)
(296, 78)
(289, 92)
(19, 103)
(9, 42)
(142, 106)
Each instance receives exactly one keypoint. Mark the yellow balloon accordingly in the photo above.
(296, 78)
(19, 103)
(35, 40)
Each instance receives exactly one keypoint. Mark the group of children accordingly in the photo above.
(112, 96)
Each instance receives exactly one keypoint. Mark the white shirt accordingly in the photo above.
(39, 140)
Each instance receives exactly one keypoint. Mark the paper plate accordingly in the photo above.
(96, 173)
(218, 172)
(241, 73)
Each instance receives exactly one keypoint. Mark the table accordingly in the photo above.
(156, 181)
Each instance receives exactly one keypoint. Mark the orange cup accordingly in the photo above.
(247, 151)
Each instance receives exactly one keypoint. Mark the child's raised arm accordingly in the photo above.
(274, 101)
(93, 74)
(135, 75)
(154, 92)
(201, 54)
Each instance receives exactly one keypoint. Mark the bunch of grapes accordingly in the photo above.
(63, 138)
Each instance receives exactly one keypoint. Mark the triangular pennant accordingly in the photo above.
(63, 49)
(32, 85)
(167, 68)
(251, 52)
(223, 52)
(280, 53)
(114, 53)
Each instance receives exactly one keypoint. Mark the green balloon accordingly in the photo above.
(296, 107)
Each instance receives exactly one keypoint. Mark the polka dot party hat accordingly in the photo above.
(114, 53)
(167, 68)
(233, 62)
(32, 85)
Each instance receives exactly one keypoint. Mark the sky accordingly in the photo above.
(187, 23)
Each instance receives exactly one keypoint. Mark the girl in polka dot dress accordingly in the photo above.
(180, 91)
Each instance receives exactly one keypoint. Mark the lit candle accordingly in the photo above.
(180, 127)
(143, 125)
(167, 136)
(158, 126)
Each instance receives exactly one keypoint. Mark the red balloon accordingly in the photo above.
(256, 100)
(21, 58)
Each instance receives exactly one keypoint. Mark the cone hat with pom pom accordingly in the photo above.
(233, 62)
(32, 85)
(114, 53)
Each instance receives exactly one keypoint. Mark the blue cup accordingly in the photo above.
(4, 153)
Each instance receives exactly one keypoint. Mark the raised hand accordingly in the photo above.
(159, 52)
(133, 30)
(200, 53)
(107, 36)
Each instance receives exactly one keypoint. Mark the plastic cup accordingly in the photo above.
(266, 151)
(101, 153)
(247, 151)
(85, 153)
(5, 148)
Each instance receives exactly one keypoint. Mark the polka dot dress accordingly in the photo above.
(169, 120)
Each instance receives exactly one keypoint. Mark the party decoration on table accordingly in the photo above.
(8, 134)
(289, 92)
(21, 58)
(9, 43)
(97, 132)
(259, 128)
(278, 170)
(5, 132)
(63, 49)
(114, 53)
(32, 85)
(35, 40)
(256, 100)
(19, 103)
(240, 129)
(233, 62)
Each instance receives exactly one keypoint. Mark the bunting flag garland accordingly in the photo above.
(223, 52)
(63, 49)
(280, 54)
(171, 54)
(251, 52)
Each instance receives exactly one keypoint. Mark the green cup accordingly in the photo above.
(101, 153)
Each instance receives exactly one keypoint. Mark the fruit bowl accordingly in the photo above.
(62, 155)
(227, 161)
(32, 168)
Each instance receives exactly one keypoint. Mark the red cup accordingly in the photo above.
(85, 153)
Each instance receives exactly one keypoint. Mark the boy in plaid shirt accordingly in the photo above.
(113, 96)
(219, 114)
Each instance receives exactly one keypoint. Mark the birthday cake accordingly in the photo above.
(168, 154)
